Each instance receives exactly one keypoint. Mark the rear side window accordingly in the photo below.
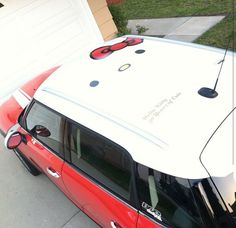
(40, 115)
(167, 199)
(101, 159)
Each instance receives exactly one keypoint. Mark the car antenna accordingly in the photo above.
(208, 92)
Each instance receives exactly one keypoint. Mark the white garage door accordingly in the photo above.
(38, 34)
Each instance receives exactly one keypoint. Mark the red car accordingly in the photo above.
(127, 134)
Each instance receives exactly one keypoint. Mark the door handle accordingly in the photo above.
(115, 225)
(52, 172)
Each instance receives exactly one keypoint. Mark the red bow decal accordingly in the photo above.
(103, 52)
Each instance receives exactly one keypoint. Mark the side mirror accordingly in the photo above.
(13, 140)
(41, 131)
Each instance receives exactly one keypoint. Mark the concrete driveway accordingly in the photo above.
(27, 201)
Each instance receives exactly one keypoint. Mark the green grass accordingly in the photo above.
(138, 9)
(217, 36)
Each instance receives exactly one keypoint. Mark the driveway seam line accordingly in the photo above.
(187, 20)
(70, 218)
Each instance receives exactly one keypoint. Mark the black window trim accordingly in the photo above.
(133, 202)
(23, 124)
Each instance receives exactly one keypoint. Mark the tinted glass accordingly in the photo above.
(227, 188)
(167, 199)
(40, 115)
(101, 159)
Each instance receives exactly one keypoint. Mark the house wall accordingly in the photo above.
(103, 18)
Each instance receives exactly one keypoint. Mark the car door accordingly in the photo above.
(43, 129)
(98, 174)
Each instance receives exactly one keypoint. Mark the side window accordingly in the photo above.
(104, 161)
(49, 123)
(167, 199)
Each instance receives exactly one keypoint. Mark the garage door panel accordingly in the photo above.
(39, 34)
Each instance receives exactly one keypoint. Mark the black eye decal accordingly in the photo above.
(94, 83)
(139, 51)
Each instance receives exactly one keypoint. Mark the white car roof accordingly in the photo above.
(152, 108)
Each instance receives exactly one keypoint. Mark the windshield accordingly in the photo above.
(218, 157)
(227, 188)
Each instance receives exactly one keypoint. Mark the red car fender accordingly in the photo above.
(11, 109)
